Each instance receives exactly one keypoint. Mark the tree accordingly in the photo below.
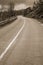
(38, 8)
(11, 6)
(11, 9)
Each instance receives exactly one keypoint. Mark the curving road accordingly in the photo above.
(27, 49)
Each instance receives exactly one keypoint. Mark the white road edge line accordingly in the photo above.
(7, 48)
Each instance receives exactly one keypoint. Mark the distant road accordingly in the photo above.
(27, 49)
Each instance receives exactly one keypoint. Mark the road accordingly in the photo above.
(27, 48)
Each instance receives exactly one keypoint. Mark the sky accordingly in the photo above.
(29, 2)
(19, 4)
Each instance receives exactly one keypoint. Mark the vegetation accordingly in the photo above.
(38, 9)
(7, 14)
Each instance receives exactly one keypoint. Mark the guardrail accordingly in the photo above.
(7, 20)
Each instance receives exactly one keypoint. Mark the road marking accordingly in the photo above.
(5, 51)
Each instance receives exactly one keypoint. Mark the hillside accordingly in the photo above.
(37, 10)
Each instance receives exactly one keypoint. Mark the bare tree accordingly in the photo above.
(11, 9)
(11, 6)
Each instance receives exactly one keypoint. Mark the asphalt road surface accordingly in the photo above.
(26, 38)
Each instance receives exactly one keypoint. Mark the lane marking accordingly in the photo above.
(5, 51)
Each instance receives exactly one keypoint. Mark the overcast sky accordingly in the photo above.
(29, 2)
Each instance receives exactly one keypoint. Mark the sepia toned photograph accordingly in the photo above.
(21, 32)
